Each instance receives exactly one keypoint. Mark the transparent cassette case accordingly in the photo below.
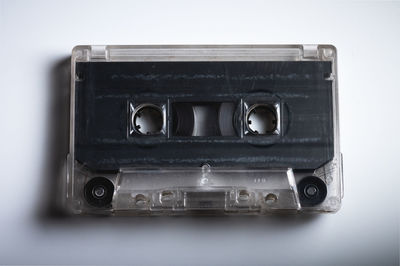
(172, 188)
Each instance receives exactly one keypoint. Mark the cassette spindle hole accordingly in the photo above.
(261, 119)
(148, 119)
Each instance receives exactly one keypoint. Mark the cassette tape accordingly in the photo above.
(175, 130)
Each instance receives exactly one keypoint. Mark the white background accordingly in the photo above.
(37, 35)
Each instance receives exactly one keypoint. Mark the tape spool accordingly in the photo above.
(226, 119)
(183, 119)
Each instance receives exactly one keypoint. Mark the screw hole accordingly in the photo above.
(271, 198)
(167, 196)
(140, 200)
(243, 195)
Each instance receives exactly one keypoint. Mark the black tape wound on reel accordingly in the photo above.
(183, 119)
(203, 119)
(226, 117)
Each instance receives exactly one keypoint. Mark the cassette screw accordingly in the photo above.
(99, 192)
(310, 191)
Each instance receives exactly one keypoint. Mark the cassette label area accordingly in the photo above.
(267, 114)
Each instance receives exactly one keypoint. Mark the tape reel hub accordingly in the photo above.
(148, 119)
(261, 119)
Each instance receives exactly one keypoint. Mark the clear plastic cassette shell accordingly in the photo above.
(204, 189)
